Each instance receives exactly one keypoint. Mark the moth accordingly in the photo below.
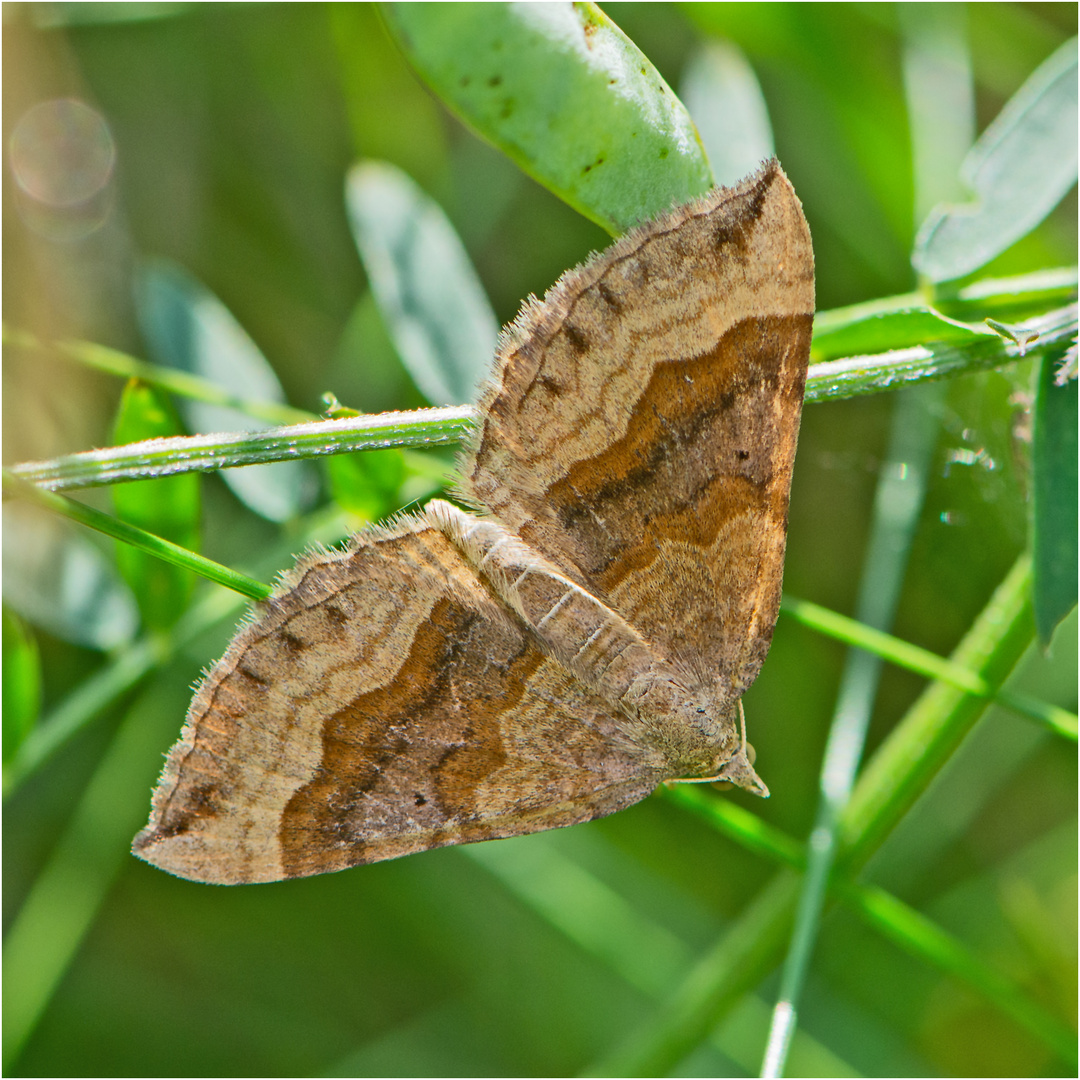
(585, 631)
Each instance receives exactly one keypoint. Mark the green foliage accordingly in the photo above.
(188, 328)
(564, 93)
(1018, 171)
(22, 683)
(642, 943)
(168, 507)
(1053, 502)
(427, 290)
(366, 485)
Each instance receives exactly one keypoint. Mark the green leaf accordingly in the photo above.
(725, 99)
(564, 93)
(188, 328)
(367, 484)
(73, 510)
(22, 683)
(168, 507)
(877, 331)
(58, 580)
(428, 293)
(1019, 170)
(1054, 500)
(939, 92)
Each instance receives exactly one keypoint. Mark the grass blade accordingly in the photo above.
(129, 534)
(905, 654)
(898, 501)
(751, 946)
(1054, 499)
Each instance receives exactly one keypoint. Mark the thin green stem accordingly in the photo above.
(853, 376)
(900, 492)
(923, 938)
(896, 920)
(891, 781)
(923, 662)
(136, 537)
(934, 727)
(114, 362)
(835, 379)
(124, 671)
(207, 453)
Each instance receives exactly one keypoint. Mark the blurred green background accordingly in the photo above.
(231, 130)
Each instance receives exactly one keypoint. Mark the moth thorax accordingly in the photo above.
(693, 721)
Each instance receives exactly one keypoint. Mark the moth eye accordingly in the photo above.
(419, 799)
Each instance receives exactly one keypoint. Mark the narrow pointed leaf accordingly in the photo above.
(1054, 500)
(1018, 171)
(168, 507)
(188, 328)
(428, 293)
(880, 331)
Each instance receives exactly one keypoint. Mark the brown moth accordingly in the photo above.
(581, 638)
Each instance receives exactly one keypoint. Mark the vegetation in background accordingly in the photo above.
(217, 216)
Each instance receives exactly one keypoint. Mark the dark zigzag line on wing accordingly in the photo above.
(629, 346)
(787, 388)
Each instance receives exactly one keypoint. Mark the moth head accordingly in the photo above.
(733, 762)
(740, 772)
(739, 768)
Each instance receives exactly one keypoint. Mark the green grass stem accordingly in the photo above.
(136, 537)
(847, 377)
(893, 778)
(207, 453)
(923, 662)
(114, 362)
(935, 725)
(898, 501)
(902, 924)
(854, 376)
